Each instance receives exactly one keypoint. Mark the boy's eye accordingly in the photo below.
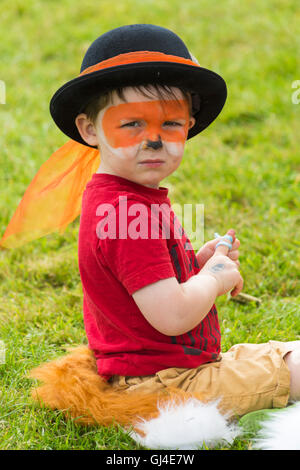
(139, 124)
(172, 123)
(131, 124)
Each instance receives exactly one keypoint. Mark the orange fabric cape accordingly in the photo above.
(53, 198)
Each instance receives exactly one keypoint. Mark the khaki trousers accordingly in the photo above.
(248, 377)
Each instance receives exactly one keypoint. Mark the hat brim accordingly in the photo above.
(71, 99)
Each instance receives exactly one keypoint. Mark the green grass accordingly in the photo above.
(244, 168)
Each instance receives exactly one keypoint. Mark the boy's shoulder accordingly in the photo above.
(117, 195)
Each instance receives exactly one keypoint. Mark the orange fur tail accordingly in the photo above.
(72, 384)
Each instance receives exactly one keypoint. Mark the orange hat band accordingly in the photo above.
(136, 57)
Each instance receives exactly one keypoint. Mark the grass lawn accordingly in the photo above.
(244, 168)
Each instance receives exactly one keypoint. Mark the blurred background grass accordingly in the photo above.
(244, 168)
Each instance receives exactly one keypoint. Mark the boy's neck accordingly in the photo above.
(101, 171)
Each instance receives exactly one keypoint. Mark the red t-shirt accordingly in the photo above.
(118, 254)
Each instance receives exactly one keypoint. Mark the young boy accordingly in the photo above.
(149, 308)
(141, 316)
(148, 299)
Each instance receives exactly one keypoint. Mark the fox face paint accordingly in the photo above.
(130, 127)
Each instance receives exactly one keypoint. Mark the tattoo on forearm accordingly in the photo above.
(217, 267)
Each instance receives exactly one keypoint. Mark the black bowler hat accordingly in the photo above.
(138, 54)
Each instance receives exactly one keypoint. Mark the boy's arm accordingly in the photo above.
(173, 308)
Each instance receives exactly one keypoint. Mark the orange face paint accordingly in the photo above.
(129, 124)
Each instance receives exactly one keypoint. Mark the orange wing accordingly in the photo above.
(53, 198)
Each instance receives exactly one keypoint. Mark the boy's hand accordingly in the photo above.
(224, 270)
(208, 249)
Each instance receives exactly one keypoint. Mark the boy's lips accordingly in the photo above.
(152, 162)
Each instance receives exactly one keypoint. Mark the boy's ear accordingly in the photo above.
(86, 129)
(192, 122)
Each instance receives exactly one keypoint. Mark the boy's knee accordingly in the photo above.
(292, 360)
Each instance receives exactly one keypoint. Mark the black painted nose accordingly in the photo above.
(154, 144)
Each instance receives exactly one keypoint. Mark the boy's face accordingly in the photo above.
(141, 139)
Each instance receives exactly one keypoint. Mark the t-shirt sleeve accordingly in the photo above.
(136, 250)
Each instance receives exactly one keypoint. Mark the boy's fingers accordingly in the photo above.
(238, 288)
(226, 242)
(222, 248)
(231, 232)
(234, 255)
(236, 244)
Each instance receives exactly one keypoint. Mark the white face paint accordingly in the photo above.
(174, 148)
